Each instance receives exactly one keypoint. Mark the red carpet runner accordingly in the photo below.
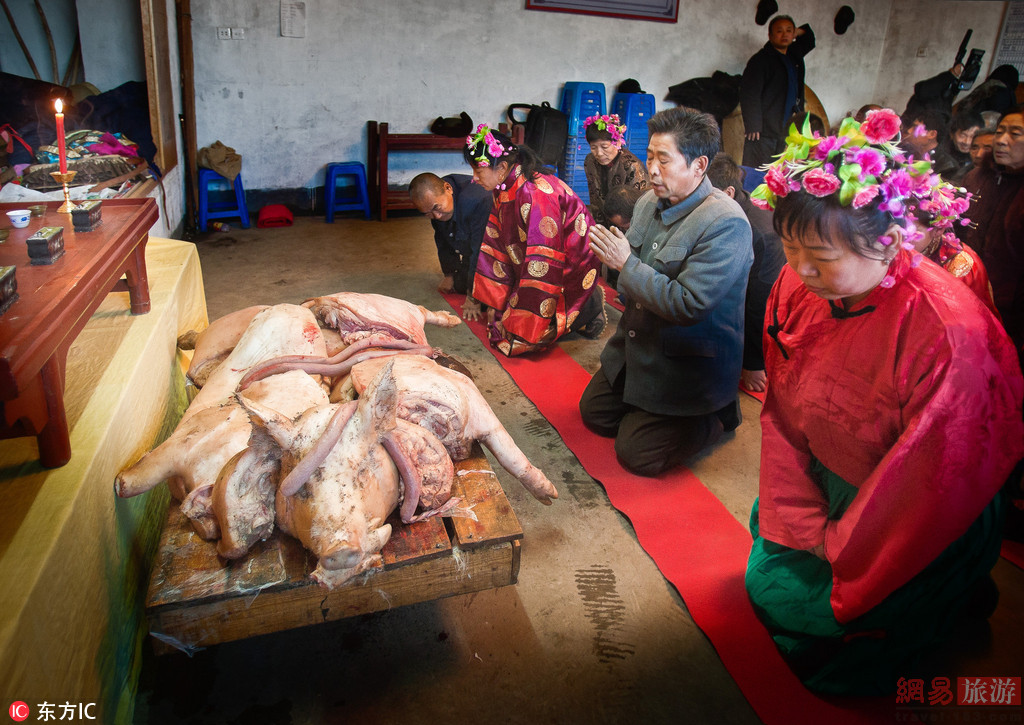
(695, 542)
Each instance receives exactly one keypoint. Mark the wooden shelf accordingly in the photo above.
(197, 599)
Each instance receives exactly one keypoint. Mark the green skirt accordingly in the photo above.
(791, 589)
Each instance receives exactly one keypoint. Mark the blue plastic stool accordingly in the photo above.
(333, 203)
(220, 210)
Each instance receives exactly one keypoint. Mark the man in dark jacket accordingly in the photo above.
(772, 89)
(769, 259)
(458, 211)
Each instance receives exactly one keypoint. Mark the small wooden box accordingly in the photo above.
(197, 599)
(46, 246)
(86, 216)
(8, 288)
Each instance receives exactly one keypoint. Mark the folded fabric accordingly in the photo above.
(274, 215)
(222, 159)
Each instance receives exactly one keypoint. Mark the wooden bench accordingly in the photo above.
(197, 599)
(381, 142)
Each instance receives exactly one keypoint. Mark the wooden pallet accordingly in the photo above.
(197, 599)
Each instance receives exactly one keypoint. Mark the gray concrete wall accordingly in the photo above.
(923, 38)
(291, 105)
(111, 42)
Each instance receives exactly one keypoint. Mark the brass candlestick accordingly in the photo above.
(65, 179)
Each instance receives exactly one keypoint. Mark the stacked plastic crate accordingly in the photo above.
(634, 110)
(580, 100)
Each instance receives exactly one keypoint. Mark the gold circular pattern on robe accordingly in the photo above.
(522, 234)
(960, 265)
(548, 227)
(513, 301)
(571, 318)
(505, 315)
(505, 346)
(544, 186)
(492, 232)
(514, 253)
(537, 268)
(499, 270)
(581, 225)
(588, 281)
(548, 307)
(524, 211)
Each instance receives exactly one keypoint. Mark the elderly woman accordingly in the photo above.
(609, 166)
(892, 419)
(535, 269)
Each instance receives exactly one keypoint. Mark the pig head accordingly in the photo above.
(339, 510)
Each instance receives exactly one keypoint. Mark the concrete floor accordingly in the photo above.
(592, 633)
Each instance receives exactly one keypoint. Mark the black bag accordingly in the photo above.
(546, 131)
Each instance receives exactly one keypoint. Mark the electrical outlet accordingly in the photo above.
(238, 33)
(224, 33)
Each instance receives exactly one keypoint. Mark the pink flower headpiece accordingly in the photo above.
(863, 164)
(610, 123)
(489, 146)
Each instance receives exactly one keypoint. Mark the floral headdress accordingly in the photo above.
(864, 165)
(484, 137)
(611, 124)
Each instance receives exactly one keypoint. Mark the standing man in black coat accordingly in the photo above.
(772, 89)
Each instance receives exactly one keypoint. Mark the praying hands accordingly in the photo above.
(610, 246)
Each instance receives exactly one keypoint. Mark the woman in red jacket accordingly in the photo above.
(892, 420)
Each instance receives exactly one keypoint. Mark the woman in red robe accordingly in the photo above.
(535, 269)
(892, 420)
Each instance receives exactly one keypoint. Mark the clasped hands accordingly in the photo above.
(609, 245)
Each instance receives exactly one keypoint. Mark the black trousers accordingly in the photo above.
(760, 152)
(649, 443)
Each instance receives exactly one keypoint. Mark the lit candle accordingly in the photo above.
(62, 153)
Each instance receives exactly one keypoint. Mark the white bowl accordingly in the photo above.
(19, 218)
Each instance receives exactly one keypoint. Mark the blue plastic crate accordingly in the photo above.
(634, 110)
(581, 99)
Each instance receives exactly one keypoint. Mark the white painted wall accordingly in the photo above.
(291, 105)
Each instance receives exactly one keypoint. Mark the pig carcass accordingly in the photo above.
(356, 314)
(214, 428)
(448, 405)
(339, 508)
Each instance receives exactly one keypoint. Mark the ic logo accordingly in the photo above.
(18, 711)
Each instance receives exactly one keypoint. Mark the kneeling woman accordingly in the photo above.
(610, 166)
(535, 269)
(892, 419)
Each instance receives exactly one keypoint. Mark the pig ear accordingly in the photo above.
(382, 395)
(281, 429)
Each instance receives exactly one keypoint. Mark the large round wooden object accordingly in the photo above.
(732, 125)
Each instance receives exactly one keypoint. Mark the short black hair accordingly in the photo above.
(723, 172)
(1016, 110)
(620, 202)
(813, 119)
(931, 118)
(964, 120)
(696, 133)
(779, 19)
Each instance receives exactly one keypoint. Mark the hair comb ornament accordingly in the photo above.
(484, 137)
